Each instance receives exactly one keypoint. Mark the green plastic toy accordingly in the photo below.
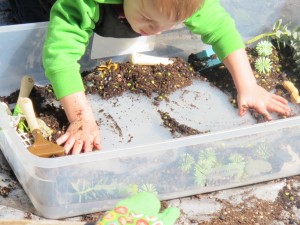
(140, 209)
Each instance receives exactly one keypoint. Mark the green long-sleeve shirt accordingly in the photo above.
(72, 23)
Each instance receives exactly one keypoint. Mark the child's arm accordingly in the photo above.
(217, 28)
(251, 95)
(70, 27)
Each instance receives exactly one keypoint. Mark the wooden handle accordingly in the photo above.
(27, 84)
(294, 92)
(290, 87)
(28, 111)
(140, 59)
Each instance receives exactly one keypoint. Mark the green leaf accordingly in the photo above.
(295, 35)
(277, 24)
(278, 33)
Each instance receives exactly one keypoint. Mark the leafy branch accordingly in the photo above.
(282, 34)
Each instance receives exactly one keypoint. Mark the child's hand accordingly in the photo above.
(83, 133)
(263, 102)
(250, 94)
(140, 209)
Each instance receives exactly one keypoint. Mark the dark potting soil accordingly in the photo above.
(112, 79)
(282, 69)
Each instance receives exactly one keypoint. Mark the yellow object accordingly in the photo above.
(110, 66)
(294, 92)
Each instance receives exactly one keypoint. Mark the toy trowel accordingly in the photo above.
(41, 147)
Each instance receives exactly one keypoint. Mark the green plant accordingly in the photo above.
(187, 163)
(264, 48)
(206, 161)
(23, 126)
(148, 188)
(282, 34)
(263, 64)
(236, 158)
(263, 152)
(86, 190)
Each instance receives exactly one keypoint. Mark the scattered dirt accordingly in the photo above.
(177, 128)
(254, 211)
(157, 82)
(113, 79)
(9, 183)
(282, 70)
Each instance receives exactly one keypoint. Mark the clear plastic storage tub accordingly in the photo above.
(145, 156)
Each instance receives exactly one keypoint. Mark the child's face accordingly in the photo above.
(145, 19)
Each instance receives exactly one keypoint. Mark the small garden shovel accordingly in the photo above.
(41, 147)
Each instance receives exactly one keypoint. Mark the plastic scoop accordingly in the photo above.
(41, 147)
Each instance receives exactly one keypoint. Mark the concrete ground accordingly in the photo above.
(264, 203)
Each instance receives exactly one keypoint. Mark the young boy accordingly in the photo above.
(73, 22)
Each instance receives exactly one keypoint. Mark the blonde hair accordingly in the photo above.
(178, 10)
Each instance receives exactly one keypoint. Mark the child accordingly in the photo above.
(73, 22)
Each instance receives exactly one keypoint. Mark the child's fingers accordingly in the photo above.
(62, 139)
(69, 144)
(267, 116)
(280, 99)
(263, 111)
(279, 107)
(243, 109)
(88, 145)
(77, 147)
(97, 142)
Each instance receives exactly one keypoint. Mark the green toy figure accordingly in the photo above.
(140, 209)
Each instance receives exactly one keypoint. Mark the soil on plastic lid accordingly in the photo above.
(157, 82)
(111, 79)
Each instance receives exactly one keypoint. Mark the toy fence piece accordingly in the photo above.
(211, 60)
